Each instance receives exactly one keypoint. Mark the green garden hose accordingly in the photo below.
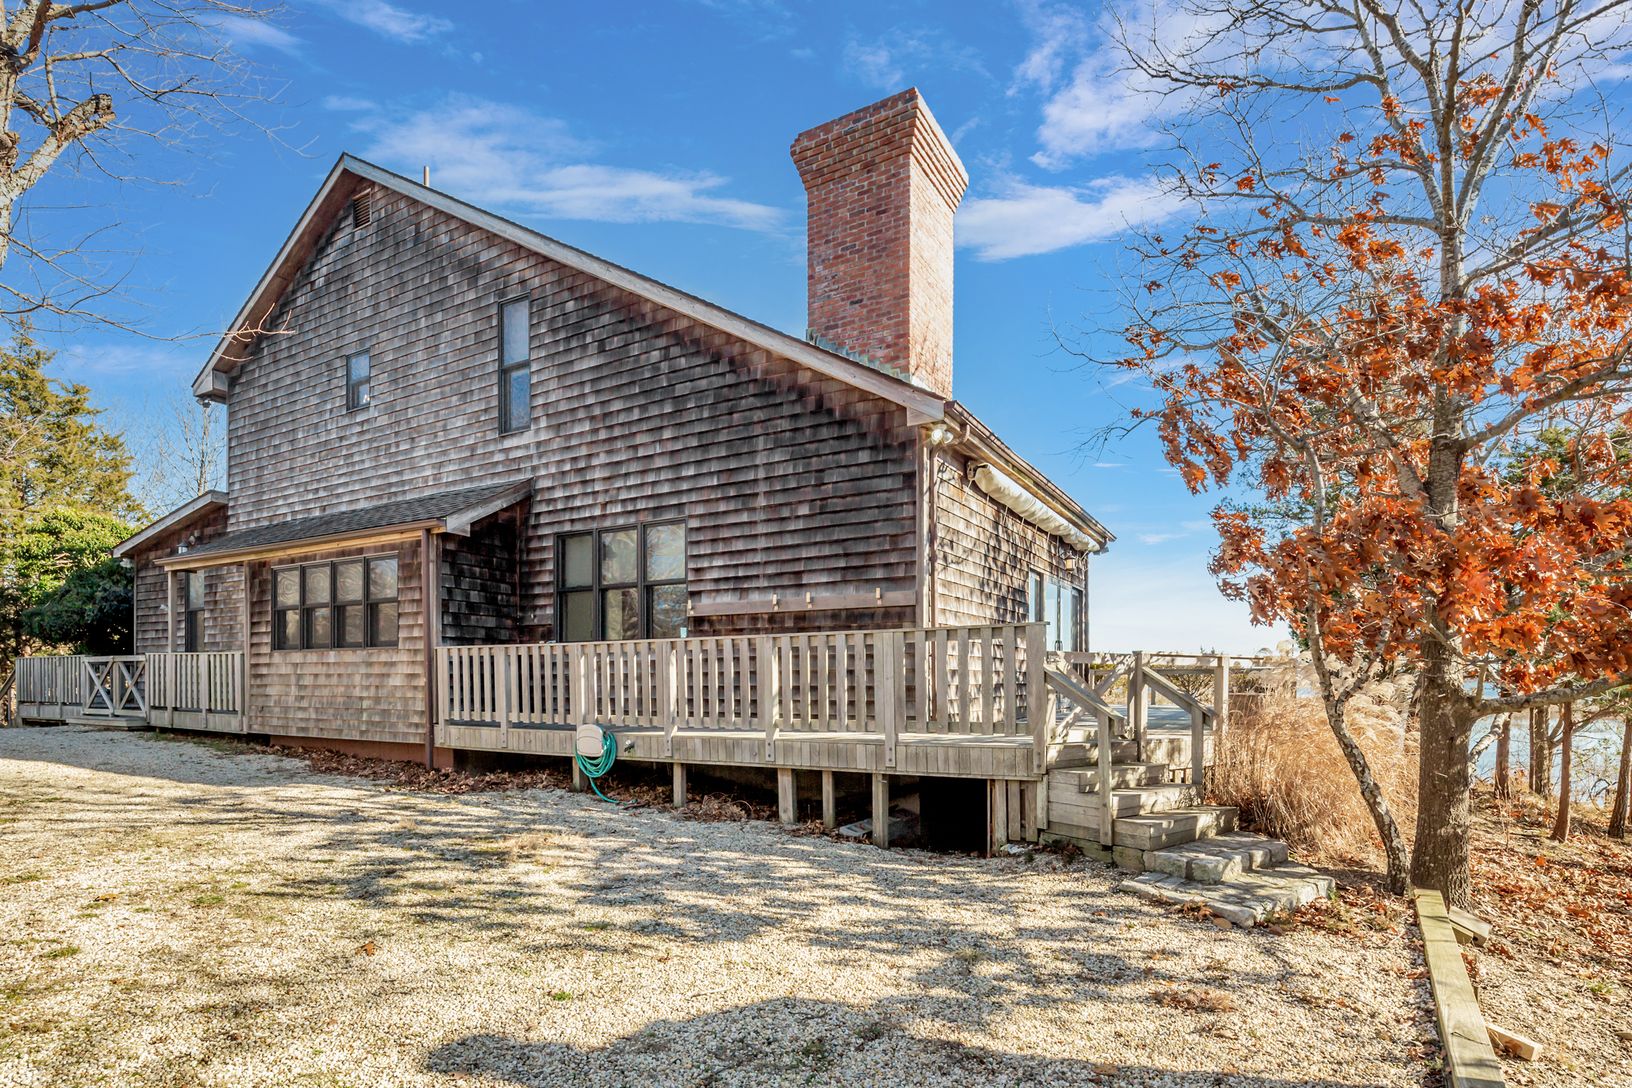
(596, 766)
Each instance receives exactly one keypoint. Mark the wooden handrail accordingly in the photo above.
(1105, 756)
(1174, 694)
(978, 680)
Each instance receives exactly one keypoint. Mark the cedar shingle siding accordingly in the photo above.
(788, 482)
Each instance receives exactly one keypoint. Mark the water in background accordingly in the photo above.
(1597, 752)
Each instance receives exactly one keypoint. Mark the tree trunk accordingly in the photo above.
(1541, 753)
(1566, 722)
(1382, 817)
(1502, 775)
(1439, 859)
(1623, 785)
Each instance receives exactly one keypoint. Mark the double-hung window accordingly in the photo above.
(1052, 602)
(343, 603)
(192, 600)
(622, 583)
(515, 366)
(357, 373)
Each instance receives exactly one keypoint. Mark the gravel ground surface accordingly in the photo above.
(173, 914)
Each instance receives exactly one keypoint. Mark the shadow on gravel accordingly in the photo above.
(789, 1041)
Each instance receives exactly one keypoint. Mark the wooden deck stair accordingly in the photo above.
(1150, 812)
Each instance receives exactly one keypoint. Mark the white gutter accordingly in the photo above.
(1031, 508)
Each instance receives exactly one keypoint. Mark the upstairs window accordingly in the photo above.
(515, 366)
(622, 583)
(357, 381)
(192, 599)
(345, 603)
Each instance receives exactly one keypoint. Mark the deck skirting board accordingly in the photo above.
(916, 754)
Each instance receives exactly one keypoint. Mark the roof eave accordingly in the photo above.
(982, 441)
(175, 519)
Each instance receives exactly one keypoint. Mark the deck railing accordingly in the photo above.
(185, 690)
(54, 682)
(115, 687)
(975, 681)
(194, 684)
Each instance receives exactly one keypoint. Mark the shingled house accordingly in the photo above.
(448, 430)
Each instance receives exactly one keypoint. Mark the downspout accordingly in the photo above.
(431, 605)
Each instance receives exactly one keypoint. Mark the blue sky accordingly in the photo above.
(657, 136)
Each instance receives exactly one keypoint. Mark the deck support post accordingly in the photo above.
(787, 797)
(997, 815)
(580, 782)
(1198, 749)
(770, 698)
(1221, 697)
(679, 784)
(1138, 701)
(881, 810)
(830, 802)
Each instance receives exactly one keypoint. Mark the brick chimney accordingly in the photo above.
(882, 185)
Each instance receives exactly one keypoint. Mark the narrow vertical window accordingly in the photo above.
(357, 381)
(1034, 598)
(192, 632)
(515, 369)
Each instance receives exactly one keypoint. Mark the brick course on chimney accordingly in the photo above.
(883, 184)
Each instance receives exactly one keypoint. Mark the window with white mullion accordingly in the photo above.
(515, 365)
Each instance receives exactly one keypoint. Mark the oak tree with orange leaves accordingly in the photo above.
(1409, 260)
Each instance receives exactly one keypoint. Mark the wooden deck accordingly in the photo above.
(987, 703)
(967, 702)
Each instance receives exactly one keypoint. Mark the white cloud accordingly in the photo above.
(1025, 219)
(1059, 32)
(895, 60)
(391, 21)
(1096, 100)
(244, 33)
(509, 158)
(342, 103)
(874, 65)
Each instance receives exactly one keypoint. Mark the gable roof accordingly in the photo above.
(180, 517)
(923, 406)
(443, 512)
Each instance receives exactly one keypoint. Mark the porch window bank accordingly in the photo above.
(343, 603)
(622, 583)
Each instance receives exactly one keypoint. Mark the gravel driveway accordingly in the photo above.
(173, 914)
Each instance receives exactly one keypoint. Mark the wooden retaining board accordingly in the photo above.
(1470, 1060)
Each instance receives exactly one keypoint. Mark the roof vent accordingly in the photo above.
(359, 210)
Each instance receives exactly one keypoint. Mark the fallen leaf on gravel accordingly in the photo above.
(367, 948)
(1223, 923)
(106, 897)
(1196, 1000)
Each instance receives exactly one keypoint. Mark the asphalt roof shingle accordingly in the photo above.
(436, 507)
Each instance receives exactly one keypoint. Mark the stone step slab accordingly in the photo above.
(1245, 900)
(1220, 858)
